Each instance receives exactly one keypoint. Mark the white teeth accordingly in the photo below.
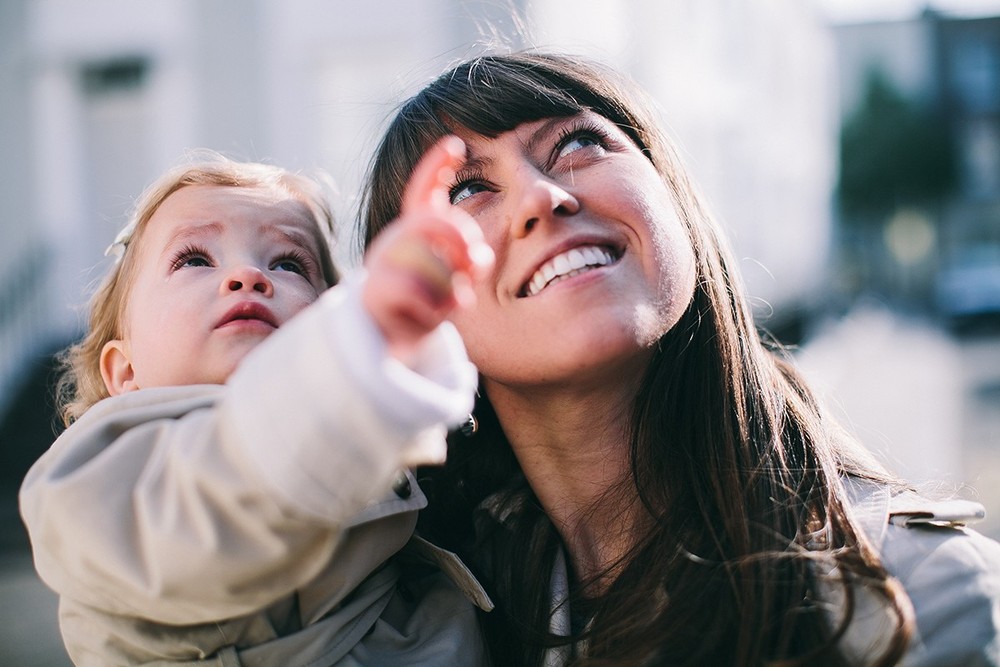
(567, 265)
(562, 265)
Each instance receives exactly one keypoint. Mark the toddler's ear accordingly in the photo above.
(116, 368)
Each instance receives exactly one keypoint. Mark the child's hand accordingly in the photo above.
(422, 266)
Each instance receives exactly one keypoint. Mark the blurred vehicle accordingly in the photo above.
(967, 289)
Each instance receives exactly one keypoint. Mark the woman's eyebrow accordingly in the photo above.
(539, 136)
(476, 163)
(546, 130)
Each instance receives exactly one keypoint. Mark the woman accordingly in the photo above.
(649, 484)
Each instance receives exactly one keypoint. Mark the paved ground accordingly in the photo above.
(928, 403)
(29, 635)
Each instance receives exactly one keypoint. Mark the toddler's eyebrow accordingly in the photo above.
(294, 235)
(194, 230)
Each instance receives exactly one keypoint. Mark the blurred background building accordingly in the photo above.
(920, 162)
(917, 232)
(852, 156)
(101, 96)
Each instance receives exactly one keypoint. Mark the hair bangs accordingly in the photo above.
(489, 97)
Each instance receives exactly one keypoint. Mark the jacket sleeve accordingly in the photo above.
(192, 504)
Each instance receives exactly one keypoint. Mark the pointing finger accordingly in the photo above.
(431, 178)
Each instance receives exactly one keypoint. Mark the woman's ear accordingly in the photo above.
(116, 368)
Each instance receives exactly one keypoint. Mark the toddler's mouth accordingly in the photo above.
(249, 310)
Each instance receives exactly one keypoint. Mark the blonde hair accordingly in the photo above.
(80, 384)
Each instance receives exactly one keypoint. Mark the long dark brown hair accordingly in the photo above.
(736, 465)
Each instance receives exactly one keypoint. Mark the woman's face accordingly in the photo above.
(593, 264)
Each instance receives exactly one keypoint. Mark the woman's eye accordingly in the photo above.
(465, 190)
(576, 142)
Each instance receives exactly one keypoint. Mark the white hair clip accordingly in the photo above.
(117, 247)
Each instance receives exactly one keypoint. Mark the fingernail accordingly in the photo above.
(462, 291)
(481, 254)
(454, 145)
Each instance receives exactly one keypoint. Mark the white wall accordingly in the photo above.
(22, 252)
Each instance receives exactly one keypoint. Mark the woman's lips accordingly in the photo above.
(567, 264)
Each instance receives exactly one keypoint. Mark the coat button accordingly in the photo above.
(402, 486)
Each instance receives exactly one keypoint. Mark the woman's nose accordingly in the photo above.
(541, 200)
(249, 278)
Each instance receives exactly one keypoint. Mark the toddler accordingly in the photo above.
(232, 487)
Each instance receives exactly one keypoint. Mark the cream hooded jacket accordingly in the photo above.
(267, 522)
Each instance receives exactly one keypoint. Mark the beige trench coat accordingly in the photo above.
(265, 522)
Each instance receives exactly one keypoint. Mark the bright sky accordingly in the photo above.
(852, 11)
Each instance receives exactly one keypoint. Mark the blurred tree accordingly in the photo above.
(27, 428)
(894, 153)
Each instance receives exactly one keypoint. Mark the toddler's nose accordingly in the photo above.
(247, 278)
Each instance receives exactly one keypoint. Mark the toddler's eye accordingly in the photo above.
(292, 264)
(288, 265)
(191, 257)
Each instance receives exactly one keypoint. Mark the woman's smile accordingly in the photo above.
(569, 264)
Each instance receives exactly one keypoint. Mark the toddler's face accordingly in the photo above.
(219, 269)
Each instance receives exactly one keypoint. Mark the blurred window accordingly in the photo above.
(117, 138)
(980, 150)
(127, 73)
(975, 69)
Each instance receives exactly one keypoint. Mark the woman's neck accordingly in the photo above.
(574, 452)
